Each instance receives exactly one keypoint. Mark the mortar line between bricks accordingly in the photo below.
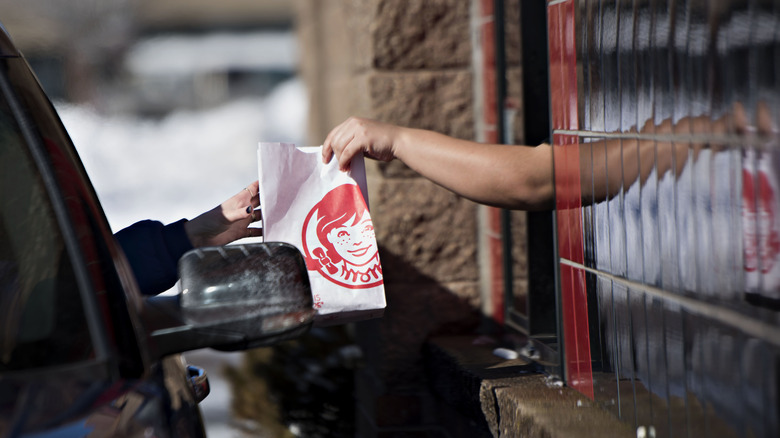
(422, 70)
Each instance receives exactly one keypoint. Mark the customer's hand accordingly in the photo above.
(375, 139)
(227, 222)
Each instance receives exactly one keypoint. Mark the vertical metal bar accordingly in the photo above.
(541, 267)
(544, 315)
(505, 218)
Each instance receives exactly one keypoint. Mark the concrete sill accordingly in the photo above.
(510, 397)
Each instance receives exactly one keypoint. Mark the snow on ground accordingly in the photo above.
(185, 163)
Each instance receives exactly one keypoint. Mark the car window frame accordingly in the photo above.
(105, 351)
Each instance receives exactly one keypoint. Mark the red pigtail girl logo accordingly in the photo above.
(339, 241)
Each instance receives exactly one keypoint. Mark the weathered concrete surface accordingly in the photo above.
(421, 34)
(510, 397)
(529, 408)
(436, 100)
(426, 228)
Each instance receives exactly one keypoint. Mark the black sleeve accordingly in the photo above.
(153, 250)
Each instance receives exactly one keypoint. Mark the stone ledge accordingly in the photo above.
(511, 398)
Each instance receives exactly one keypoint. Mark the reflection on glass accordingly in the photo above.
(680, 187)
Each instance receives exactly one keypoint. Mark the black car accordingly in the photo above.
(82, 353)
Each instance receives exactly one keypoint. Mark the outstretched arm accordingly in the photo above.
(508, 176)
(228, 221)
(153, 249)
(521, 177)
(609, 164)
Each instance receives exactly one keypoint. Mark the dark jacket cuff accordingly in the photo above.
(153, 250)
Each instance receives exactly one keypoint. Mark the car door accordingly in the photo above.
(72, 358)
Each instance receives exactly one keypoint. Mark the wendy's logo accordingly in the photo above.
(339, 242)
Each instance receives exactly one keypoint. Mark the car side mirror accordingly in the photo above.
(232, 297)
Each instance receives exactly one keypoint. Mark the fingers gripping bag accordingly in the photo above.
(324, 213)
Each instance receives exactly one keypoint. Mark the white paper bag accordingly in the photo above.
(324, 213)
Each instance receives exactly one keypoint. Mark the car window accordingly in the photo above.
(42, 320)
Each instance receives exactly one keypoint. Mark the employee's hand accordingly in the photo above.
(375, 139)
(228, 221)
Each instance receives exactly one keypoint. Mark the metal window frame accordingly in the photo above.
(542, 322)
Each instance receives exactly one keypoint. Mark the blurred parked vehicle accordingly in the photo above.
(82, 353)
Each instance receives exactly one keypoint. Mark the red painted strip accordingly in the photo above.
(563, 89)
(569, 66)
(574, 194)
(490, 119)
(579, 375)
(561, 199)
(584, 380)
(553, 24)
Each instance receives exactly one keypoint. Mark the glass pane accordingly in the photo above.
(42, 315)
